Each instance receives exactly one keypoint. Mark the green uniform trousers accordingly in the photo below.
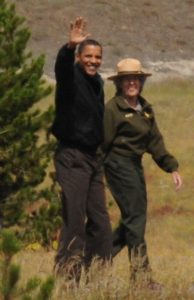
(126, 181)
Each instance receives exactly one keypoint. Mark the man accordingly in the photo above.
(78, 126)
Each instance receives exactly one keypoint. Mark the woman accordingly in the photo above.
(130, 131)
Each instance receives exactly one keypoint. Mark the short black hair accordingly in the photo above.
(83, 44)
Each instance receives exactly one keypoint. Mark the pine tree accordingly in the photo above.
(10, 274)
(23, 158)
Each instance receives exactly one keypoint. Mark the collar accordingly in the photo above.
(120, 101)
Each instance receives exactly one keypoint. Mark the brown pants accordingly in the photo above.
(86, 230)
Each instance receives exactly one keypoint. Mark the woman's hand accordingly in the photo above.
(177, 180)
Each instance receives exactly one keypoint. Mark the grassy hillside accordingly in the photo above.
(147, 29)
(170, 228)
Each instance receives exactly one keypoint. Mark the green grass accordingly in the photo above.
(170, 226)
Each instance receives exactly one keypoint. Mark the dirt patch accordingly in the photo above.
(169, 210)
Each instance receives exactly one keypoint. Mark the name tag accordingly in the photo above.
(130, 115)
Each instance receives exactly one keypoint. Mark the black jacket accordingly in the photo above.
(79, 104)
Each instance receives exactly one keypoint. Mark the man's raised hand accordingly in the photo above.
(78, 32)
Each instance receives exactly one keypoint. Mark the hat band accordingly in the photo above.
(128, 72)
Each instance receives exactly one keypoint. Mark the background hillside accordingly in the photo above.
(160, 33)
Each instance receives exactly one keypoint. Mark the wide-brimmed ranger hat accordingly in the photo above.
(129, 66)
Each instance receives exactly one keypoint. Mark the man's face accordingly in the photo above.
(90, 59)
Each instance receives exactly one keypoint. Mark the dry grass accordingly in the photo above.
(170, 228)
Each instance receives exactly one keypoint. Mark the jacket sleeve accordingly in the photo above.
(157, 149)
(64, 66)
(65, 87)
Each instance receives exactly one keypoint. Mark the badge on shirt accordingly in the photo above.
(130, 115)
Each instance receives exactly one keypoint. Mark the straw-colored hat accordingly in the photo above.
(129, 66)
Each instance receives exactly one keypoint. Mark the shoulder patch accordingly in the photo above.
(147, 115)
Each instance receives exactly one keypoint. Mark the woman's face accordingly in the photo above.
(130, 86)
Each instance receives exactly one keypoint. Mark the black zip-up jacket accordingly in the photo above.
(79, 101)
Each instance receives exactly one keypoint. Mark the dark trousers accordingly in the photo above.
(86, 231)
(126, 181)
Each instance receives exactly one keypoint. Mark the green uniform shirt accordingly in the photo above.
(132, 133)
